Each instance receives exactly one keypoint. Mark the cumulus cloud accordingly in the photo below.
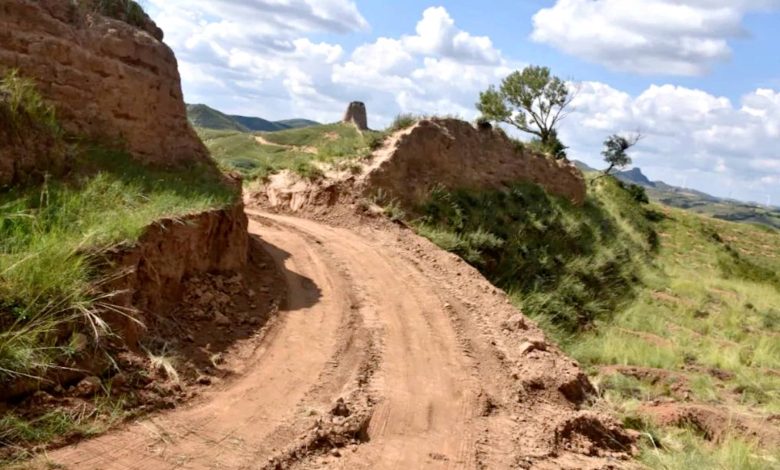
(440, 69)
(238, 57)
(713, 141)
(646, 36)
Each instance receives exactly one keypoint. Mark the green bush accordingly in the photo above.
(638, 193)
(125, 10)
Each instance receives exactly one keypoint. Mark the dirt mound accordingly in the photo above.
(713, 423)
(107, 78)
(455, 154)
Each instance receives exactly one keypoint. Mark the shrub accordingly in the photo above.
(403, 121)
(638, 193)
(21, 103)
(125, 10)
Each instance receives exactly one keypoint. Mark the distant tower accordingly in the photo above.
(356, 113)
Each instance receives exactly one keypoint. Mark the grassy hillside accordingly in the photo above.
(256, 156)
(52, 236)
(205, 117)
(669, 311)
(697, 201)
(258, 124)
(202, 116)
(722, 209)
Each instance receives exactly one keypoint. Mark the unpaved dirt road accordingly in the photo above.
(409, 338)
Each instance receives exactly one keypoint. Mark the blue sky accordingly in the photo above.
(700, 78)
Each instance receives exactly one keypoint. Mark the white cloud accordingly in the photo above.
(721, 145)
(662, 37)
(241, 61)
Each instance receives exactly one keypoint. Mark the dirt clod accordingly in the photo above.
(88, 387)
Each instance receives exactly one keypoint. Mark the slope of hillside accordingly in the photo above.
(205, 117)
(201, 116)
(675, 315)
(304, 150)
(697, 201)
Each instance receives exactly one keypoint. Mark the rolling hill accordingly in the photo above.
(697, 201)
(203, 116)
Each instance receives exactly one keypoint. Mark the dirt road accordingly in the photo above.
(389, 354)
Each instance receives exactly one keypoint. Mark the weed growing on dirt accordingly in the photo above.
(402, 121)
(21, 104)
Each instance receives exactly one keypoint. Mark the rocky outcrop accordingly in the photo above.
(107, 78)
(357, 115)
(455, 154)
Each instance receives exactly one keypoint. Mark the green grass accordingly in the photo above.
(303, 150)
(50, 237)
(617, 282)
(569, 265)
(21, 434)
(22, 106)
(125, 10)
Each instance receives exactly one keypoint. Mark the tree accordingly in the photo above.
(532, 100)
(616, 150)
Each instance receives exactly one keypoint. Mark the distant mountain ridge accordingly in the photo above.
(697, 201)
(201, 115)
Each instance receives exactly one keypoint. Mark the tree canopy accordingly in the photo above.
(616, 150)
(532, 100)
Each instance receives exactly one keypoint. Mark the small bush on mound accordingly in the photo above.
(124, 10)
(403, 121)
(569, 265)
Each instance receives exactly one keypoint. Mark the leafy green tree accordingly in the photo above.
(616, 150)
(532, 100)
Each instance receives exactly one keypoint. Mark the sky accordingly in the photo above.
(699, 78)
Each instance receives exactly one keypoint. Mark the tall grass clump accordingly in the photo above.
(570, 265)
(51, 236)
(402, 121)
(21, 105)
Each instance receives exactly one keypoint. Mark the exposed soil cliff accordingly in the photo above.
(107, 78)
(170, 252)
(433, 152)
(455, 154)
